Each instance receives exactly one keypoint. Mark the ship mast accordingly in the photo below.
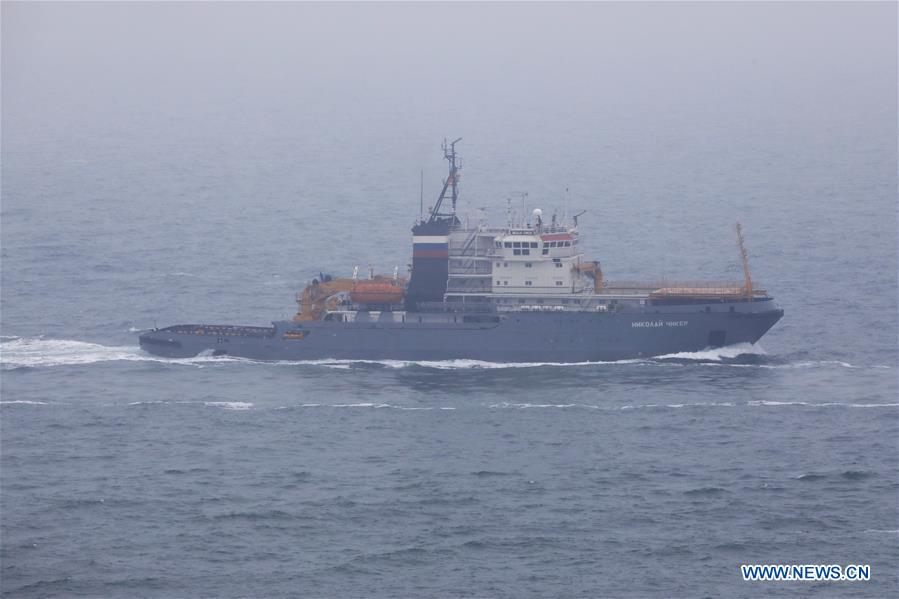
(450, 189)
(747, 279)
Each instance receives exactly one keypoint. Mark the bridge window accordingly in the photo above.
(516, 252)
(497, 283)
(498, 244)
(497, 264)
(558, 264)
(516, 244)
(525, 252)
(568, 244)
(533, 244)
(528, 264)
(545, 251)
(559, 283)
(528, 283)
(508, 244)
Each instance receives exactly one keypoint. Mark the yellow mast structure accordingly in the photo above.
(747, 279)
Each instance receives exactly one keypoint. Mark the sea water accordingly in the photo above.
(146, 202)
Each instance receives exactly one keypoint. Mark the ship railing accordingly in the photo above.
(454, 307)
(468, 247)
(476, 288)
(470, 269)
(673, 284)
(220, 330)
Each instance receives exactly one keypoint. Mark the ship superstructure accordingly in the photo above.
(520, 293)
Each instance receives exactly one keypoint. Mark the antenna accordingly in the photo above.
(451, 183)
(577, 215)
(453, 170)
(747, 279)
(421, 195)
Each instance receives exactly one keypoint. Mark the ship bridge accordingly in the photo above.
(520, 265)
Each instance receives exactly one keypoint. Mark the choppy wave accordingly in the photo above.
(376, 406)
(32, 352)
(25, 402)
(717, 354)
(706, 404)
(229, 405)
(37, 352)
(823, 404)
(244, 406)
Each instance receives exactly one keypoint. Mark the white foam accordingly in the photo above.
(538, 405)
(803, 364)
(677, 406)
(460, 364)
(26, 402)
(229, 405)
(717, 354)
(701, 404)
(822, 404)
(368, 405)
(36, 351)
(18, 352)
(890, 531)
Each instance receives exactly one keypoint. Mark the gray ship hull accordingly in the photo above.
(525, 336)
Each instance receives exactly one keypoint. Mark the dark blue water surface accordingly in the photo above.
(130, 200)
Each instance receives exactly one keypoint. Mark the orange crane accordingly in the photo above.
(747, 279)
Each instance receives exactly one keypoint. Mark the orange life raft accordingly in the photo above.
(376, 292)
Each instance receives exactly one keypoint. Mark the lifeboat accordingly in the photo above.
(376, 292)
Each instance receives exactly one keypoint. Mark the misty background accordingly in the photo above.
(251, 117)
(175, 136)
(165, 163)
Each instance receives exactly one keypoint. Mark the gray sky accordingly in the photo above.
(449, 56)
(681, 113)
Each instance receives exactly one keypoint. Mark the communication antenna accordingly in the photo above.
(577, 215)
(355, 273)
(747, 279)
(421, 195)
(451, 184)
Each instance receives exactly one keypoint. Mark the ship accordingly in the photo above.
(524, 292)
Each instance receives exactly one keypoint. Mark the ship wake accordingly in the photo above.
(39, 352)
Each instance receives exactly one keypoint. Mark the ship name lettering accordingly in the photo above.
(651, 324)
